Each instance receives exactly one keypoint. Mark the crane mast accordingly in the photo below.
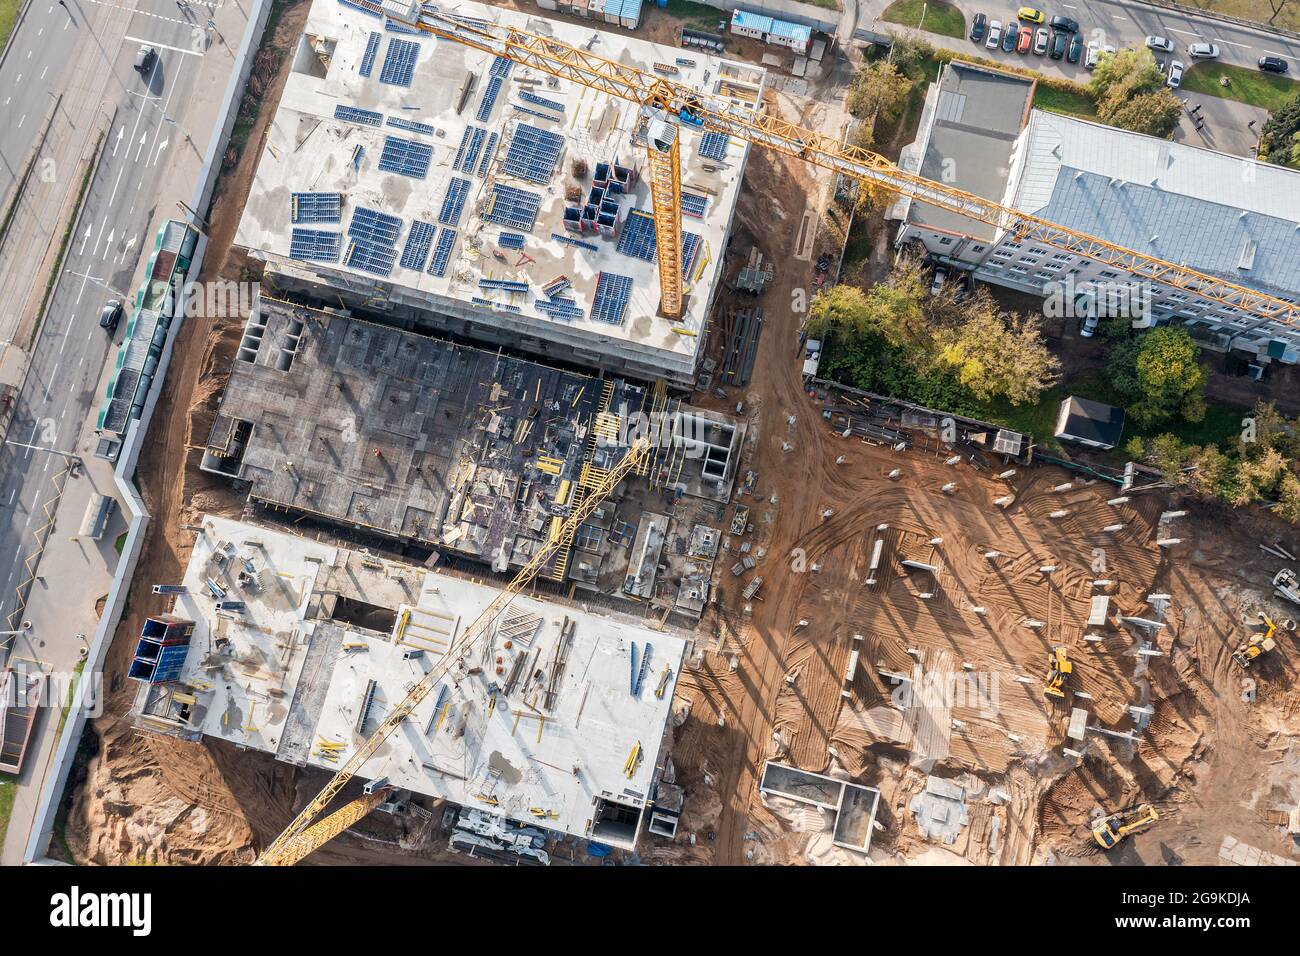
(717, 113)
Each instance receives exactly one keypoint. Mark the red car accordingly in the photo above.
(1024, 41)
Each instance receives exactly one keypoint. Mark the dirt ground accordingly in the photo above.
(759, 685)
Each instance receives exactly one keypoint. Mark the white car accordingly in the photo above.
(995, 34)
(1175, 74)
(1203, 51)
(1041, 38)
(1163, 44)
(940, 276)
(1094, 51)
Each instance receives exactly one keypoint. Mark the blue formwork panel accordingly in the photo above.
(694, 205)
(374, 226)
(314, 245)
(638, 236)
(513, 208)
(454, 202)
(373, 257)
(368, 58)
(399, 62)
(354, 114)
(714, 145)
(315, 208)
(405, 157)
(490, 94)
(442, 252)
(487, 156)
(610, 301)
(411, 126)
(416, 251)
(533, 154)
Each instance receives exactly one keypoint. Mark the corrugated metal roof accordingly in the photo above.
(1180, 203)
(751, 21)
(792, 31)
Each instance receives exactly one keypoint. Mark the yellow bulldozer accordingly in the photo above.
(1059, 670)
(1109, 831)
(1256, 645)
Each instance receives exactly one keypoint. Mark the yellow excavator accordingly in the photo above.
(1108, 831)
(1257, 645)
(1060, 670)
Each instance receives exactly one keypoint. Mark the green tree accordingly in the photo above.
(995, 353)
(1280, 135)
(1158, 375)
(878, 93)
(1131, 93)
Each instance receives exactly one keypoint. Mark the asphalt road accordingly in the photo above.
(62, 388)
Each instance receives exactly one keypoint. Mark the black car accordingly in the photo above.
(1272, 64)
(1059, 42)
(1065, 25)
(1009, 38)
(110, 314)
(979, 28)
(144, 59)
(1076, 49)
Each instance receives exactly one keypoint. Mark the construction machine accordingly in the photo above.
(1257, 645)
(1109, 831)
(1060, 669)
(1287, 585)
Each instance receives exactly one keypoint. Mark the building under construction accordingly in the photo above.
(298, 649)
(460, 192)
(449, 448)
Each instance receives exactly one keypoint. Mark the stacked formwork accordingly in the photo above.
(161, 651)
(602, 212)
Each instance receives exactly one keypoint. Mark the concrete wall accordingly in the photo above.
(124, 475)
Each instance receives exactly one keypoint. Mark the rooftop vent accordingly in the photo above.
(1247, 258)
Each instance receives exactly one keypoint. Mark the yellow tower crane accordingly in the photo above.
(306, 833)
(666, 103)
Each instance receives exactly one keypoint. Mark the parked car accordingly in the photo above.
(1065, 24)
(1088, 327)
(144, 59)
(110, 315)
(1024, 41)
(1009, 38)
(1094, 53)
(1203, 51)
(1272, 64)
(1076, 49)
(1163, 44)
(1031, 15)
(979, 27)
(1176, 74)
(940, 275)
(995, 35)
(1059, 42)
(1041, 38)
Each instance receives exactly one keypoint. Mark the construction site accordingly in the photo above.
(473, 544)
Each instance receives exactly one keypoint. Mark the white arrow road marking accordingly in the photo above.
(85, 237)
(161, 147)
(118, 142)
(108, 246)
(140, 148)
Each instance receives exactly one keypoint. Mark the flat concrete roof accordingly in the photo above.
(306, 671)
(310, 150)
(977, 117)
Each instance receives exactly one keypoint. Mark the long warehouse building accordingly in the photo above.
(458, 192)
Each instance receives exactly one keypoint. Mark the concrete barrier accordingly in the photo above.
(124, 474)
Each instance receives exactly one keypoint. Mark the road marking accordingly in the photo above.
(22, 121)
(162, 46)
(1184, 32)
(85, 237)
(50, 384)
(1117, 17)
(44, 71)
(143, 13)
(12, 494)
(1230, 43)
